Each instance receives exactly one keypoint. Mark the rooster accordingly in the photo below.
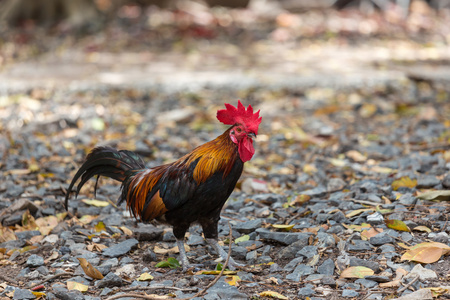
(191, 189)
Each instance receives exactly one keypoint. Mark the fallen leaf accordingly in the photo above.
(393, 283)
(233, 280)
(357, 212)
(422, 228)
(357, 227)
(438, 291)
(284, 227)
(356, 156)
(96, 247)
(243, 238)
(367, 234)
(72, 285)
(100, 226)
(95, 202)
(39, 294)
(215, 272)
(405, 181)
(145, 277)
(428, 252)
(440, 195)
(356, 272)
(173, 250)
(171, 262)
(126, 230)
(273, 294)
(397, 225)
(86, 219)
(89, 270)
(300, 200)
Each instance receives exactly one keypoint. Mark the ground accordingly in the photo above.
(355, 132)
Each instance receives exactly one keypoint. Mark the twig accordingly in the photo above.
(202, 292)
(409, 284)
(51, 278)
(139, 296)
(162, 287)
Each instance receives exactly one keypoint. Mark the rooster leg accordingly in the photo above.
(210, 231)
(179, 231)
(183, 257)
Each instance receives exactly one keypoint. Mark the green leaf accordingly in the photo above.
(397, 225)
(171, 262)
(243, 238)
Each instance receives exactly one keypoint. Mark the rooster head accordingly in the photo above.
(245, 127)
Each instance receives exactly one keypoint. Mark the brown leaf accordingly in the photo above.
(89, 270)
(356, 272)
(367, 234)
(426, 252)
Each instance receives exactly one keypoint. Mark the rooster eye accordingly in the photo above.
(238, 129)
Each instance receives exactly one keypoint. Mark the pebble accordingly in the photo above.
(292, 250)
(306, 291)
(366, 283)
(285, 238)
(381, 239)
(346, 293)
(35, 261)
(327, 267)
(299, 271)
(147, 232)
(222, 290)
(110, 280)
(22, 294)
(248, 226)
(120, 248)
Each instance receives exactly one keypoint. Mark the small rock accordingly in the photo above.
(21, 294)
(252, 186)
(359, 246)
(328, 280)
(306, 291)
(127, 270)
(35, 261)
(299, 271)
(285, 238)
(377, 278)
(366, 283)
(292, 250)
(424, 274)
(446, 181)
(222, 290)
(251, 257)
(148, 233)
(425, 182)
(349, 293)
(120, 248)
(381, 239)
(24, 204)
(248, 226)
(51, 238)
(440, 237)
(335, 184)
(308, 251)
(110, 280)
(327, 267)
(407, 199)
(26, 235)
(149, 256)
(354, 261)
(195, 240)
(269, 198)
(292, 264)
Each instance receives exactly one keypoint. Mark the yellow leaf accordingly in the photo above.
(233, 280)
(438, 291)
(89, 270)
(356, 272)
(215, 272)
(243, 238)
(397, 225)
(422, 228)
(86, 219)
(145, 277)
(300, 200)
(357, 212)
(403, 245)
(100, 226)
(405, 181)
(126, 230)
(39, 294)
(357, 227)
(273, 294)
(95, 202)
(72, 285)
(356, 156)
(284, 227)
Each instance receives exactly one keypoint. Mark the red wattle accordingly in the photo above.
(246, 149)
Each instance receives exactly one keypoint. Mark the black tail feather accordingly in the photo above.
(105, 161)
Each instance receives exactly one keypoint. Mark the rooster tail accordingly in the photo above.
(109, 162)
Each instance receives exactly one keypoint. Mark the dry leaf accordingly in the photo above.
(397, 225)
(145, 277)
(356, 156)
(442, 195)
(273, 294)
(174, 250)
(357, 212)
(95, 202)
(357, 227)
(367, 234)
(72, 285)
(422, 228)
(405, 181)
(233, 280)
(300, 200)
(393, 283)
(89, 270)
(356, 272)
(126, 230)
(426, 252)
(284, 227)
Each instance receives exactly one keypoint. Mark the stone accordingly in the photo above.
(377, 278)
(308, 251)
(195, 240)
(424, 274)
(299, 271)
(446, 181)
(291, 251)
(306, 291)
(381, 239)
(426, 182)
(149, 256)
(335, 184)
(359, 246)
(248, 226)
(292, 264)
(407, 199)
(347, 293)
(35, 261)
(285, 238)
(366, 283)
(354, 262)
(22, 294)
(26, 235)
(222, 290)
(120, 248)
(327, 267)
(251, 257)
(110, 280)
(148, 233)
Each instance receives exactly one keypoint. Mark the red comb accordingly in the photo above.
(232, 115)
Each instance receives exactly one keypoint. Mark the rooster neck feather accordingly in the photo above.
(217, 155)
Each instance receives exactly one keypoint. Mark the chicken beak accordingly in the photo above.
(251, 135)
